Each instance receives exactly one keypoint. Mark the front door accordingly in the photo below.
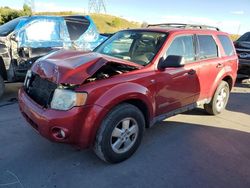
(178, 87)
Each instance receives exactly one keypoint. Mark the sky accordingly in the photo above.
(229, 15)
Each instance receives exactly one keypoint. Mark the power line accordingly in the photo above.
(97, 6)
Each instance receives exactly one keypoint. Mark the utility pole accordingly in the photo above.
(97, 6)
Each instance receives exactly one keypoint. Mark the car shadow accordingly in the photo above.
(196, 111)
(172, 154)
(239, 101)
(240, 98)
(244, 83)
(10, 93)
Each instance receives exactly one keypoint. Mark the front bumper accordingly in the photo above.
(79, 123)
(244, 67)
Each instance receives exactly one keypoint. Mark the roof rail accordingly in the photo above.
(185, 26)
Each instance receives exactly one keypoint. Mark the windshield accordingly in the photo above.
(137, 46)
(9, 27)
(245, 37)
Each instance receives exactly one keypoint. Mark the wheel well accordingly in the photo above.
(229, 80)
(3, 72)
(142, 107)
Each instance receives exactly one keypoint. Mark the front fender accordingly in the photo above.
(124, 92)
(114, 96)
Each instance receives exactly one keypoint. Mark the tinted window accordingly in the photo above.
(227, 45)
(245, 37)
(207, 46)
(182, 46)
(76, 29)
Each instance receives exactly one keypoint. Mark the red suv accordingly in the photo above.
(105, 99)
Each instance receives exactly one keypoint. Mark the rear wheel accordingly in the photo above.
(1, 86)
(120, 134)
(219, 100)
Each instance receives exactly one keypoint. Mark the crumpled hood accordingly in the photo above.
(73, 67)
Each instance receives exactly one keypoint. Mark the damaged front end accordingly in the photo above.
(62, 71)
(110, 69)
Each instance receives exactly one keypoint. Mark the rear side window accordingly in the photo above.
(227, 45)
(207, 46)
(182, 46)
(76, 29)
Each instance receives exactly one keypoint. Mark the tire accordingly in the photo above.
(1, 86)
(120, 133)
(219, 100)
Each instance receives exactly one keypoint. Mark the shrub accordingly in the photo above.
(7, 14)
(116, 22)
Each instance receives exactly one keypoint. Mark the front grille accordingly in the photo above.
(40, 90)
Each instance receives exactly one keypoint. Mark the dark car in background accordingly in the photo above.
(25, 39)
(242, 46)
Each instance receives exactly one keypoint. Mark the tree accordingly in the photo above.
(7, 14)
(27, 11)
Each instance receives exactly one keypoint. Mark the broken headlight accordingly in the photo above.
(66, 99)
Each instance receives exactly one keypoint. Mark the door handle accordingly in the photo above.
(219, 65)
(192, 72)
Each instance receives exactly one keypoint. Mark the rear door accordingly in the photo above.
(40, 36)
(178, 87)
(41, 33)
(229, 55)
(210, 63)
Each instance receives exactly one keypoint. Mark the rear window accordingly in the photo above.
(76, 29)
(227, 45)
(207, 46)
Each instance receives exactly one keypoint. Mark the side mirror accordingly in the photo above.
(171, 61)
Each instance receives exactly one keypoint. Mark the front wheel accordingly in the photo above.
(120, 134)
(1, 86)
(219, 100)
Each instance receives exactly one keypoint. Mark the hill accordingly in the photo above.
(104, 22)
(110, 24)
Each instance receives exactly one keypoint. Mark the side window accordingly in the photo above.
(182, 46)
(76, 29)
(207, 46)
(51, 33)
(227, 45)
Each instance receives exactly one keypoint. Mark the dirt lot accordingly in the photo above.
(188, 150)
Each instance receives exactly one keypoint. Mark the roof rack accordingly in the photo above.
(185, 26)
